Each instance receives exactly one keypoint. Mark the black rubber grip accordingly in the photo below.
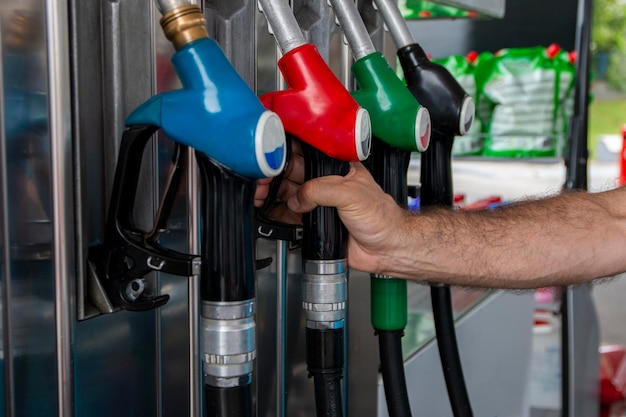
(389, 167)
(436, 172)
(227, 199)
(324, 236)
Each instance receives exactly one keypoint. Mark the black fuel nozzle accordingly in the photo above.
(451, 108)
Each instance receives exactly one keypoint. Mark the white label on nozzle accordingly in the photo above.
(422, 129)
(466, 119)
(363, 134)
(270, 144)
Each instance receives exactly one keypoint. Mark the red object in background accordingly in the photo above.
(553, 50)
(459, 199)
(612, 381)
(472, 56)
(483, 204)
(622, 158)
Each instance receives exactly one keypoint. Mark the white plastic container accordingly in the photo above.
(545, 373)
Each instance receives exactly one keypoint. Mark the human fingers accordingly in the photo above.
(295, 167)
(262, 191)
(333, 190)
(292, 178)
(282, 213)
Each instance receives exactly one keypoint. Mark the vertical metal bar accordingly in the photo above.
(5, 261)
(577, 309)
(281, 291)
(195, 377)
(576, 162)
(62, 207)
(193, 225)
(281, 328)
(156, 193)
(113, 96)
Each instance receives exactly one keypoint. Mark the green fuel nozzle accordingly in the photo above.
(397, 117)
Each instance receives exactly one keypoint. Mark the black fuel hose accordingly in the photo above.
(392, 369)
(449, 351)
(325, 360)
(436, 190)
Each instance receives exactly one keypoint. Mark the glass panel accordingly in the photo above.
(420, 328)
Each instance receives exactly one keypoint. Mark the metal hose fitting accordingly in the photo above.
(228, 341)
(324, 293)
(184, 25)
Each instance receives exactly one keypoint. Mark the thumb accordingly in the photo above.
(333, 190)
(324, 191)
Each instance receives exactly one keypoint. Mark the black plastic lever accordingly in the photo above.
(128, 254)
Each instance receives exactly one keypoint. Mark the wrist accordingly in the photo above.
(398, 257)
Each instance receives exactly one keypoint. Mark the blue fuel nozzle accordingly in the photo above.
(217, 114)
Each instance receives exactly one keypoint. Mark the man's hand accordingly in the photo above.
(373, 219)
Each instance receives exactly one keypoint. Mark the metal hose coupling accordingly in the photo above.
(228, 342)
(184, 25)
(324, 293)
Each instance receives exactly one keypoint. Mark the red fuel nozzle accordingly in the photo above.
(318, 109)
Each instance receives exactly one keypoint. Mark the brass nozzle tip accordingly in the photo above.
(184, 25)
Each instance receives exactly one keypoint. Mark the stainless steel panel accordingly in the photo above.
(116, 356)
(232, 24)
(373, 23)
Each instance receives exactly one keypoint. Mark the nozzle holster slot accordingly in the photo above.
(129, 254)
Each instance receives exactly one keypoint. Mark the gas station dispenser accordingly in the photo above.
(137, 277)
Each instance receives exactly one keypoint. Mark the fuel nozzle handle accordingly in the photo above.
(451, 108)
(318, 110)
(389, 167)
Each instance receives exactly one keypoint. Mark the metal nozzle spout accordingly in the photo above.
(353, 28)
(283, 24)
(183, 24)
(166, 6)
(395, 22)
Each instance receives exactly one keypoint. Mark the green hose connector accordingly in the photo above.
(397, 118)
(389, 303)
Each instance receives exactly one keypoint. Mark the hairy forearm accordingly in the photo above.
(563, 240)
